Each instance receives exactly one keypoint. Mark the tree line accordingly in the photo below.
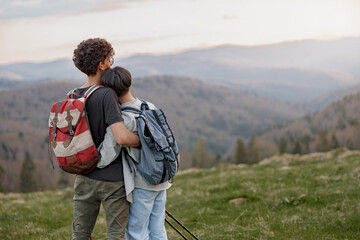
(257, 148)
(31, 177)
(201, 156)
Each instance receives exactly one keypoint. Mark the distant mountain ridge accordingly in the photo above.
(195, 109)
(293, 71)
(59, 69)
(336, 125)
(323, 100)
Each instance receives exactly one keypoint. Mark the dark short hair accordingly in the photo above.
(89, 53)
(117, 78)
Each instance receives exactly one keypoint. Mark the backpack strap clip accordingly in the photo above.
(55, 120)
(53, 143)
(70, 94)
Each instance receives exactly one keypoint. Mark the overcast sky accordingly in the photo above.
(43, 30)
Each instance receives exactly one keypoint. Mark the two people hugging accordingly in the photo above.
(134, 208)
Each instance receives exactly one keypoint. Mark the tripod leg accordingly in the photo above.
(170, 215)
(177, 230)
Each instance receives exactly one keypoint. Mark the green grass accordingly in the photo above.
(312, 199)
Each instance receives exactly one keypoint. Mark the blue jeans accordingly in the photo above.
(147, 215)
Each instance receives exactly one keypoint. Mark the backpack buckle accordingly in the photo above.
(55, 120)
(69, 118)
(66, 143)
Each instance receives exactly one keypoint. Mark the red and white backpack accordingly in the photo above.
(70, 137)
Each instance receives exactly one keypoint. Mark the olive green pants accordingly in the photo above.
(88, 196)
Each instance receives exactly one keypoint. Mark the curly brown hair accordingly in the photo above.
(89, 53)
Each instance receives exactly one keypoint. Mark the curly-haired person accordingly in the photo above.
(102, 185)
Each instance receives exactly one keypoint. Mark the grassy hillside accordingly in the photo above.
(285, 197)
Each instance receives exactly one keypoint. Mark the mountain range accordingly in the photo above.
(292, 71)
(195, 110)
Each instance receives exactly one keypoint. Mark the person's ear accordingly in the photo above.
(101, 66)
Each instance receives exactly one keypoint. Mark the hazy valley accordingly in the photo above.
(276, 98)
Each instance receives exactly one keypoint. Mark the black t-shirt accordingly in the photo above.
(103, 109)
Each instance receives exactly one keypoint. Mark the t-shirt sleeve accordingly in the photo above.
(112, 108)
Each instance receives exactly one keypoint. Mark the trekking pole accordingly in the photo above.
(177, 230)
(170, 215)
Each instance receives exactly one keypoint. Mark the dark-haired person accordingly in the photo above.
(147, 208)
(102, 185)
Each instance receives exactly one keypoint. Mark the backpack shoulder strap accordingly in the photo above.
(131, 109)
(71, 92)
(86, 94)
(91, 89)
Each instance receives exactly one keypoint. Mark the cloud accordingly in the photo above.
(54, 27)
(18, 3)
(18, 9)
(229, 17)
(103, 6)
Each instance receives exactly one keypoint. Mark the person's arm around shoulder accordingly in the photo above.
(123, 136)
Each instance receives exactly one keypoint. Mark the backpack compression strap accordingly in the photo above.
(55, 120)
(69, 118)
(166, 163)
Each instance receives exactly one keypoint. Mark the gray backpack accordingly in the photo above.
(159, 157)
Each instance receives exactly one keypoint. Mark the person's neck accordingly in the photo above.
(126, 98)
(92, 79)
